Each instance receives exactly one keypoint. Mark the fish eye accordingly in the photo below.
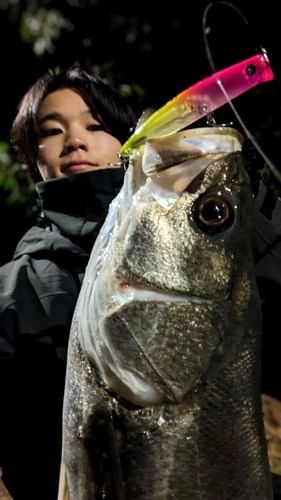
(212, 213)
(251, 69)
(203, 109)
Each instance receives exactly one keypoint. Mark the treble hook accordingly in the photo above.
(122, 163)
(212, 122)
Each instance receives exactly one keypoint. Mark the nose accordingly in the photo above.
(75, 141)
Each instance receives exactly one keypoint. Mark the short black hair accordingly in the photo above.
(114, 112)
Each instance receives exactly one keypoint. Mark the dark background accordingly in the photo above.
(149, 51)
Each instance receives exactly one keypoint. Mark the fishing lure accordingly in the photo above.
(199, 100)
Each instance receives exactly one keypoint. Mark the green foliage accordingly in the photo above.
(256, 166)
(40, 27)
(116, 80)
(268, 178)
(16, 182)
(39, 24)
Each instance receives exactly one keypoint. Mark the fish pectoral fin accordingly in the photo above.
(63, 485)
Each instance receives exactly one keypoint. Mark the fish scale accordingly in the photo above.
(209, 449)
(162, 398)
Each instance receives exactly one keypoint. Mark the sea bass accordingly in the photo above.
(162, 397)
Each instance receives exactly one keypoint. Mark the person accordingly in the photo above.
(68, 129)
(267, 258)
(70, 124)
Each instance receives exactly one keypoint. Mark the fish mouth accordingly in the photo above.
(135, 293)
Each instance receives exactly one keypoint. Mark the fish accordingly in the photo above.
(162, 397)
(199, 100)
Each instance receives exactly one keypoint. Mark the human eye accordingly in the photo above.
(95, 127)
(48, 132)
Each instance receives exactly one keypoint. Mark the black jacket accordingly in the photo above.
(267, 255)
(38, 293)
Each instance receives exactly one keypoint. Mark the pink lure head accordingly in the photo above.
(256, 70)
(212, 92)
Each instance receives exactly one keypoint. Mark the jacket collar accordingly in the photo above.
(76, 206)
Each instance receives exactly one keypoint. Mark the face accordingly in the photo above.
(72, 140)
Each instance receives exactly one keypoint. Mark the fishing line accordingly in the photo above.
(269, 163)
